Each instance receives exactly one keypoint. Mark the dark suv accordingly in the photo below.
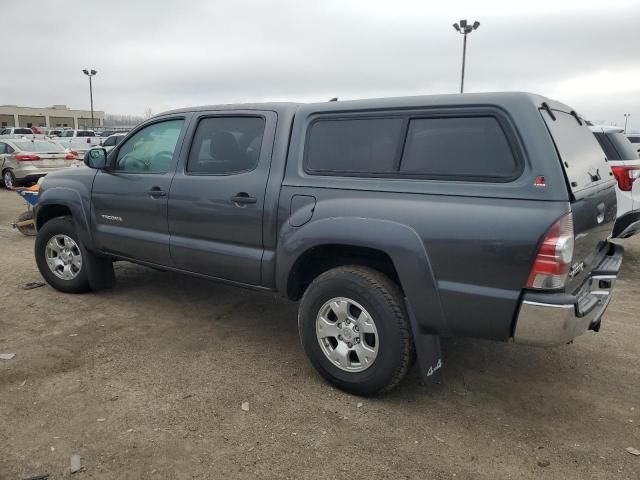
(393, 221)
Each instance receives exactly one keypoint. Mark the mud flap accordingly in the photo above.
(99, 270)
(427, 349)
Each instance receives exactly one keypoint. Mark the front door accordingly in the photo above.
(130, 198)
(217, 196)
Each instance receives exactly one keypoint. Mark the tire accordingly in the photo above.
(55, 230)
(9, 179)
(367, 294)
(30, 230)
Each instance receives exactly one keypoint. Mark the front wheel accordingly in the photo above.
(355, 330)
(60, 256)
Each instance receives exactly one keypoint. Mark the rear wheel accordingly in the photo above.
(355, 331)
(60, 256)
(9, 179)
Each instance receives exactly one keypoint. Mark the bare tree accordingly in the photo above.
(148, 113)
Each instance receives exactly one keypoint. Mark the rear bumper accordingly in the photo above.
(31, 173)
(627, 225)
(550, 319)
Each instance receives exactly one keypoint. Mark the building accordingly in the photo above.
(55, 116)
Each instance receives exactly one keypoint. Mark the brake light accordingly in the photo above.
(626, 176)
(26, 158)
(70, 156)
(551, 267)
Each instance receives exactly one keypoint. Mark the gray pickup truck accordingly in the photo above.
(393, 221)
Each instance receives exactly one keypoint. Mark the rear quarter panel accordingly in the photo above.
(479, 239)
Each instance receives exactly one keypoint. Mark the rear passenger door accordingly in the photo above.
(216, 200)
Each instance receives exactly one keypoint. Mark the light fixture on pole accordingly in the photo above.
(464, 28)
(626, 119)
(90, 73)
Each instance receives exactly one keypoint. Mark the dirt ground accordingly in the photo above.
(146, 381)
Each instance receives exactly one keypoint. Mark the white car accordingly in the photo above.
(16, 132)
(78, 141)
(625, 164)
(634, 138)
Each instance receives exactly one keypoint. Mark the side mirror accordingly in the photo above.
(96, 158)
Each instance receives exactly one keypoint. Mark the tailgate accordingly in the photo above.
(592, 191)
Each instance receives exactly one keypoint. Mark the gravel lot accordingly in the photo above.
(147, 380)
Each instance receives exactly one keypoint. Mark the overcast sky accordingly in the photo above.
(167, 54)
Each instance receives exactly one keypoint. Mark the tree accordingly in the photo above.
(148, 113)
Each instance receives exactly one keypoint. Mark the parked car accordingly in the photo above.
(112, 140)
(392, 221)
(25, 161)
(16, 132)
(625, 164)
(78, 140)
(634, 138)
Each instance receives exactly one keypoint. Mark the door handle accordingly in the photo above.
(243, 198)
(156, 192)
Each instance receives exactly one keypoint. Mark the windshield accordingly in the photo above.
(39, 146)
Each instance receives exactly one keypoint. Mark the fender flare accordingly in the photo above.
(403, 245)
(71, 199)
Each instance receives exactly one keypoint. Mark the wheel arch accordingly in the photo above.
(58, 202)
(388, 243)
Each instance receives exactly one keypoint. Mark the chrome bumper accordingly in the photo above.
(547, 320)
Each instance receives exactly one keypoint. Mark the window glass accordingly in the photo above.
(634, 139)
(68, 133)
(86, 133)
(112, 141)
(582, 159)
(22, 131)
(151, 149)
(39, 146)
(461, 147)
(223, 145)
(366, 145)
(3, 147)
(623, 146)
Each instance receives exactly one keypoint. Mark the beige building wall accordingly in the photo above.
(6, 120)
(32, 121)
(57, 115)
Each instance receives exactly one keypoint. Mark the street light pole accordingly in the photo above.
(626, 119)
(464, 29)
(90, 73)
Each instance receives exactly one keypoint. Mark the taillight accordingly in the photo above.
(551, 267)
(70, 156)
(626, 176)
(26, 158)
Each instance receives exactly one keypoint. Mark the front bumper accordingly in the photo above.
(550, 319)
(627, 225)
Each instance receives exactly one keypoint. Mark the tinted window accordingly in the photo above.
(68, 133)
(634, 139)
(606, 145)
(3, 147)
(367, 145)
(151, 149)
(223, 145)
(461, 147)
(113, 141)
(23, 131)
(623, 146)
(583, 160)
(86, 133)
(39, 146)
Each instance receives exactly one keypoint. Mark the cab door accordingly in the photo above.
(217, 196)
(130, 198)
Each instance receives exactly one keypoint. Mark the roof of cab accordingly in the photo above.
(466, 99)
